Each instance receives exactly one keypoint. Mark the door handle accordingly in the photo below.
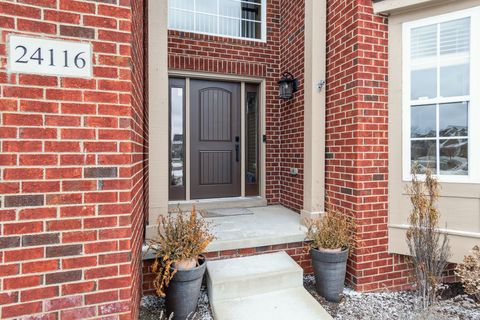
(237, 148)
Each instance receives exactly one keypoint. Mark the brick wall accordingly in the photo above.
(296, 250)
(357, 141)
(72, 167)
(292, 57)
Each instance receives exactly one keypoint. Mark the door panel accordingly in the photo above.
(214, 139)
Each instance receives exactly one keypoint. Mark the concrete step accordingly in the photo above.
(288, 304)
(262, 287)
(253, 275)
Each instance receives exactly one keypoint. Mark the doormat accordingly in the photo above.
(229, 212)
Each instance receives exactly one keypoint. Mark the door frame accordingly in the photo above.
(188, 75)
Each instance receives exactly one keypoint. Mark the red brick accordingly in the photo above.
(38, 159)
(102, 272)
(8, 159)
(39, 294)
(77, 6)
(22, 282)
(76, 288)
(78, 108)
(99, 247)
(29, 25)
(59, 199)
(9, 187)
(114, 233)
(38, 213)
(97, 96)
(100, 197)
(77, 134)
(62, 146)
(63, 303)
(62, 121)
(23, 92)
(81, 313)
(116, 307)
(57, 225)
(23, 174)
(8, 298)
(9, 270)
(79, 185)
(38, 106)
(7, 23)
(79, 83)
(38, 133)
(77, 211)
(22, 146)
(43, 3)
(41, 186)
(21, 309)
(61, 16)
(19, 10)
(76, 263)
(101, 122)
(22, 227)
(23, 254)
(101, 297)
(8, 104)
(16, 119)
(114, 258)
(63, 173)
(40, 266)
(111, 11)
(101, 222)
(8, 133)
(79, 236)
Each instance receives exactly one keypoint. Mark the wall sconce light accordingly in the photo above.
(287, 85)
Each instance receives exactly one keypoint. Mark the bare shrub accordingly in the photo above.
(181, 237)
(429, 249)
(333, 231)
(469, 273)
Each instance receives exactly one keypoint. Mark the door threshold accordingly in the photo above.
(218, 203)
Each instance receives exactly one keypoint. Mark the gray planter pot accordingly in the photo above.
(184, 290)
(329, 269)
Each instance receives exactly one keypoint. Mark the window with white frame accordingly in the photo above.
(441, 124)
(230, 18)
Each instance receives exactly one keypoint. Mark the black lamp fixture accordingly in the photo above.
(287, 85)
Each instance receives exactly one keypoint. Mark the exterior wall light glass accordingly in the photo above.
(287, 85)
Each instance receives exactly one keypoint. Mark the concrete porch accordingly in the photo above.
(266, 226)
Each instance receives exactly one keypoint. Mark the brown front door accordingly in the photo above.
(214, 139)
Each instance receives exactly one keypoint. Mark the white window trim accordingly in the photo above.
(474, 98)
(263, 25)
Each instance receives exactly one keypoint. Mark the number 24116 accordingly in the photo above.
(38, 56)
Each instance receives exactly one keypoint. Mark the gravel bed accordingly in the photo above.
(395, 305)
(355, 306)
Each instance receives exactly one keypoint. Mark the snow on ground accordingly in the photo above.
(354, 306)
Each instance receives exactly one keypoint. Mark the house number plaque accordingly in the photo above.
(49, 57)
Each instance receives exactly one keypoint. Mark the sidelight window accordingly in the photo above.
(177, 139)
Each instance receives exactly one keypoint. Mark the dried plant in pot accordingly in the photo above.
(179, 265)
(331, 238)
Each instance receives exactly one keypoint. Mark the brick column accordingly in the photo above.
(357, 138)
(72, 166)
